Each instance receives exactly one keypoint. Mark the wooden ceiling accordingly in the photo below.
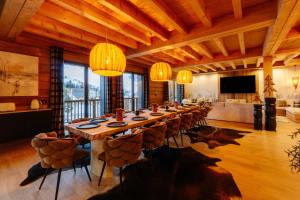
(200, 35)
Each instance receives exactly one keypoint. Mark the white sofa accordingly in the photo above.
(236, 112)
(293, 114)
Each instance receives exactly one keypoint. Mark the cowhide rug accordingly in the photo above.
(215, 136)
(174, 174)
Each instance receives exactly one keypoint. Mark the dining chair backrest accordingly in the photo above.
(173, 126)
(186, 121)
(123, 150)
(54, 152)
(154, 135)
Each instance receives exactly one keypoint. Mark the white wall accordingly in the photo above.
(203, 86)
(207, 85)
(282, 78)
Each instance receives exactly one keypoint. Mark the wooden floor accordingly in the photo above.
(259, 166)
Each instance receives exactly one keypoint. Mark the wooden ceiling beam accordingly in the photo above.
(234, 56)
(202, 49)
(210, 67)
(201, 68)
(44, 43)
(242, 42)
(257, 17)
(294, 62)
(165, 11)
(175, 55)
(140, 60)
(201, 12)
(51, 10)
(56, 26)
(293, 34)
(15, 15)
(290, 57)
(57, 36)
(191, 53)
(288, 14)
(220, 65)
(90, 12)
(129, 11)
(245, 63)
(259, 61)
(165, 57)
(232, 64)
(237, 9)
(220, 44)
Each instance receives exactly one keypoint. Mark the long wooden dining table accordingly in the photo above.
(96, 135)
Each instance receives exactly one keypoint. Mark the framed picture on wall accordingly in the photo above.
(18, 74)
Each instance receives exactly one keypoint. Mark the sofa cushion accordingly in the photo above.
(293, 110)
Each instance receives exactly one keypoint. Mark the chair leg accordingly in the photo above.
(103, 167)
(45, 175)
(57, 184)
(87, 172)
(181, 139)
(121, 175)
(175, 142)
(74, 167)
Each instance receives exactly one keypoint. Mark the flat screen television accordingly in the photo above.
(238, 84)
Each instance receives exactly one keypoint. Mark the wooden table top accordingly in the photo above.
(103, 130)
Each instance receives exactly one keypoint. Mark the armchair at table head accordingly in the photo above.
(54, 152)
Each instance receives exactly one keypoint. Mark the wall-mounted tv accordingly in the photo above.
(238, 84)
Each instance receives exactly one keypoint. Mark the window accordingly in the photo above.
(81, 92)
(175, 91)
(133, 88)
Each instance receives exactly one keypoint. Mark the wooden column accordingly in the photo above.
(268, 70)
(270, 101)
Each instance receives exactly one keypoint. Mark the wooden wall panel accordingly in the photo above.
(249, 97)
(40, 49)
(23, 103)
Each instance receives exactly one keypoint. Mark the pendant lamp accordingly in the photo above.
(184, 76)
(107, 60)
(160, 71)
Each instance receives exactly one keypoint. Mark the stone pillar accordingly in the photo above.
(270, 100)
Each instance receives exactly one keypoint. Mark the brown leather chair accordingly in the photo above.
(196, 116)
(121, 151)
(154, 136)
(57, 153)
(173, 126)
(185, 125)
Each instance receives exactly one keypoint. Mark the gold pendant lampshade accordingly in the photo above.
(107, 60)
(161, 72)
(184, 76)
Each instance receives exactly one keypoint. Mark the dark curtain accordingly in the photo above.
(106, 94)
(146, 89)
(56, 89)
(180, 92)
(165, 91)
(119, 93)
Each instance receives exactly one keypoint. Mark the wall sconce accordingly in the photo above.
(295, 81)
